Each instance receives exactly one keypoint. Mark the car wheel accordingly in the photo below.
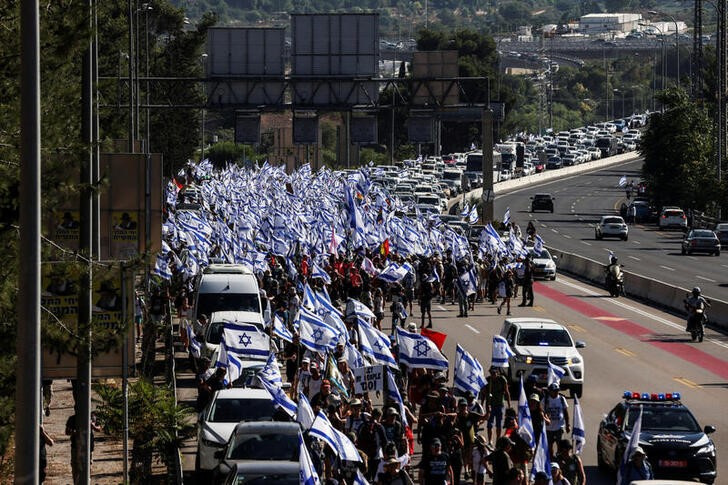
(197, 463)
(717, 253)
(689, 252)
(600, 461)
(553, 278)
(552, 211)
(597, 236)
(625, 238)
(683, 251)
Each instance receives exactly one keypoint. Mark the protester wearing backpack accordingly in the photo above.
(557, 409)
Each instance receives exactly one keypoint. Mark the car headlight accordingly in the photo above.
(526, 359)
(708, 449)
(211, 443)
(574, 360)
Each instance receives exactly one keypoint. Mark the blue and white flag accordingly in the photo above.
(469, 375)
(466, 210)
(419, 352)
(473, 216)
(279, 396)
(161, 268)
(318, 272)
(375, 344)
(280, 329)
(525, 423)
(622, 181)
(305, 415)
(507, 216)
(271, 371)
(357, 308)
(324, 302)
(538, 245)
(230, 362)
(501, 352)
(632, 444)
(245, 339)
(578, 432)
(308, 475)
(610, 256)
(368, 267)
(541, 458)
(316, 335)
(195, 345)
(392, 273)
(338, 441)
(468, 282)
(394, 395)
(359, 478)
(434, 276)
(555, 373)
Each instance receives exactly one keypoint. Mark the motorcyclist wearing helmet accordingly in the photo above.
(694, 303)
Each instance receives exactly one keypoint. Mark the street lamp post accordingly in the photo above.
(203, 58)
(677, 42)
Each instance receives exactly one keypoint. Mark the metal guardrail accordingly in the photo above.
(175, 473)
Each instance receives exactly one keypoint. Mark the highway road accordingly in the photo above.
(580, 202)
(629, 347)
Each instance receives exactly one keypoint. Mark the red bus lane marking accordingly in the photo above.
(686, 352)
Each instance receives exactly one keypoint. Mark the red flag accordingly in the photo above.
(178, 184)
(438, 338)
(384, 251)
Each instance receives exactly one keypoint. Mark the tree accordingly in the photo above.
(678, 145)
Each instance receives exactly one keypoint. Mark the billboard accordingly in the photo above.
(330, 45)
(432, 65)
(421, 129)
(244, 52)
(363, 129)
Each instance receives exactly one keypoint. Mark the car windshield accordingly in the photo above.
(209, 303)
(288, 479)
(236, 410)
(664, 418)
(673, 213)
(544, 254)
(264, 446)
(721, 227)
(429, 200)
(702, 233)
(543, 337)
(541, 197)
(451, 175)
(613, 220)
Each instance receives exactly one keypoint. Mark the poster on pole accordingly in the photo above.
(367, 379)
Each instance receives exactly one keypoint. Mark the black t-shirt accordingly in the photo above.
(435, 469)
(501, 464)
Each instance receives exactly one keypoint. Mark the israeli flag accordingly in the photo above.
(501, 352)
(466, 210)
(309, 298)
(473, 216)
(507, 216)
(318, 272)
(316, 335)
(368, 267)
(305, 415)
(394, 395)
(525, 428)
(541, 458)
(434, 276)
(359, 478)
(555, 373)
(375, 344)
(469, 375)
(279, 396)
(392, 273)
(308, 475)
(578, 432)
(280, 330)
(622, 181)
(634, 442)
(324, 302)
(195, 345)
(246, 339)
(271, 371)
(468, 282)
(357, 308)
(161, 268)
(230, 362)
(538, 245)
(610, 256)
(419, 352)
(353, 356)
(338, 441)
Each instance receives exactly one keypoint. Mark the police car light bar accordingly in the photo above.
(668, 396)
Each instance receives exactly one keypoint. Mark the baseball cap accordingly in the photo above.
(436, 442)
(462, 402)
(541, 476)
(553, 386)
(411, 326)
(535, 397)
(355, 402)
(638, 451)
(392, 412)
(306, 360)
(391, 461)
(341, 359)
(555, 465)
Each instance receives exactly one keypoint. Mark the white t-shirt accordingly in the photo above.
(555, 409)
(314, 387)
(478, 465)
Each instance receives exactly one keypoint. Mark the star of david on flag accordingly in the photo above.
(418, 351)
(245, 339)
(469, 375)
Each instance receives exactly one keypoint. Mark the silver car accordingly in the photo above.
(611, 226)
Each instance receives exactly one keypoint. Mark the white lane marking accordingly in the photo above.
(677, 326)
(543, 225)
(440, 307)
(472, 328)
(635, 258)
(636, 242)
(667, 268)
(587, 243)
(566, 236)
(705, 279)
(724, 265)
(554, 231)
(691, 257)
(607, 250)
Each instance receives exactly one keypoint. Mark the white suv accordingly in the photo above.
(672, 217)
(611, 226)
(218, 420)
(537, 341)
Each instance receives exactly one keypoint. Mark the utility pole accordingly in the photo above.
(132, 124)
(27, 377)
(696, 78)
(488, 196)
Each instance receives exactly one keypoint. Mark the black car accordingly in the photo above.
(542, 202)
(676, 446)
(553, 163)
(721, 230)
(701, 241)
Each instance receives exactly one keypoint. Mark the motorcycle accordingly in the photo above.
(696, 323)
(615, 280)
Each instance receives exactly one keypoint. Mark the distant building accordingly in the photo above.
(600, 23)
(667, 28)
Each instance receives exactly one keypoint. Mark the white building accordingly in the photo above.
(665, 27)
(599, 23)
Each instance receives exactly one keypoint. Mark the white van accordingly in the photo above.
(212, 334)
(226, 288)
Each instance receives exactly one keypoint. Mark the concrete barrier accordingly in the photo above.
(640, 287)
(546, 176)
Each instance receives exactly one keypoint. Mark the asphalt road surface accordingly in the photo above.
(580, 202)
(629, 347)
